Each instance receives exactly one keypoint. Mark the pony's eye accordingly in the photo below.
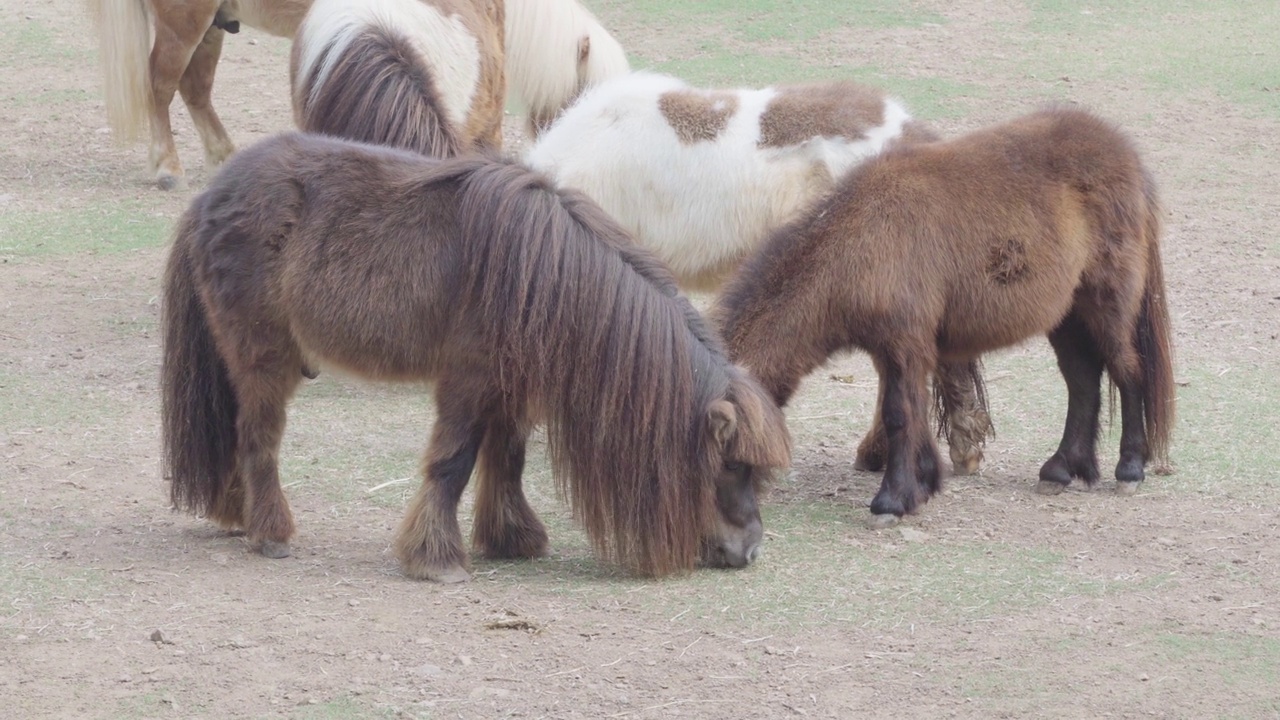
(732, 467)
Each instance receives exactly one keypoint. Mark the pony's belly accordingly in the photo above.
(998, 321)
(277, 17)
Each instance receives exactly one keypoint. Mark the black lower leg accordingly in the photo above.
(1133, 434)
(1081, 367)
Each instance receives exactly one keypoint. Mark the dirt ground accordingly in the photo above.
(994, 602)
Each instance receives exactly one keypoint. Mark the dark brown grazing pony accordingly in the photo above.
(944, 251)
(423, 75)
(522, 303)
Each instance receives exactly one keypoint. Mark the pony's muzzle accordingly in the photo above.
(736, 549)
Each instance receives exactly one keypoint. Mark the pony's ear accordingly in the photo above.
(722, 417)
(584, 48)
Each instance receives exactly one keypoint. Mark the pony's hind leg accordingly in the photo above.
(912, 467)
(177, 35)
(196, 87)
(429, 543)
(261, 396)
(1081, 366)
(1133, 438)
(505, 525)
(1125, 368)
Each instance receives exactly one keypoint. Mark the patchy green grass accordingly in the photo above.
(1240, 663)
(791, 21)
(359, 436)
(30, 43)
(1227, 439)
(350, 709)
(1227, 46)
(45, 98)
(716, 66)
(28, 404)
(90, 230)
(29, 586)
(865, 578)
(761, 42)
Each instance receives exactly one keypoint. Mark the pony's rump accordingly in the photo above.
(405, 73)
(702, 176)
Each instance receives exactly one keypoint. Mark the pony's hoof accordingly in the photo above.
(1127, 489)
(965, 464)
(868, 459)
(1049, 487)
(1130, 470)
(449, 576)
(275, 550)
(883, 521)
(168, 182)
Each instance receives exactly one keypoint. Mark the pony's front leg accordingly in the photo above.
(196, 87)
(875, 445)
(964, 413)
(429, 543)
(505, 525)
(912, 467)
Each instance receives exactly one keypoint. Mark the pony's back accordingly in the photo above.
(424, 76)
(702, 176)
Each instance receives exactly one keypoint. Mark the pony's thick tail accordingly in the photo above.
(124, 39)
(1155, 344)
(377, 89)
(198, 409)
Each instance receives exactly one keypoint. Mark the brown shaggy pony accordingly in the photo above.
(948, 250)
(523, 304)
(423, 75)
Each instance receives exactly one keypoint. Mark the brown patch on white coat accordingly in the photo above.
(799, 113)
(697, 116)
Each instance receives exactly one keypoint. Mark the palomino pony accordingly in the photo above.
(554, 49)
(423, 75)
(947, 250)
(701, 177)
(523, 304)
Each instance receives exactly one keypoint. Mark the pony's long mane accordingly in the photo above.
(545, 70)
(621, 366)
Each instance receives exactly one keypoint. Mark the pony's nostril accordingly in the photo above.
(753, 554)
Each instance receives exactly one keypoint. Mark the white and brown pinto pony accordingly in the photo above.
(702, 177)
(422, 75)
(152, 49)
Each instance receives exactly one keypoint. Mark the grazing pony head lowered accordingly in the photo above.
(523, 304)
(661, 442)
(555, 50)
